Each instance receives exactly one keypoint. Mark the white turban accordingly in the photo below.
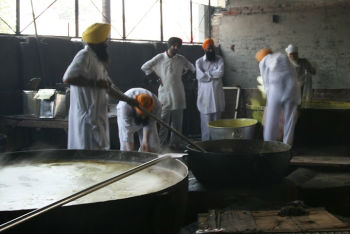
(291, 49)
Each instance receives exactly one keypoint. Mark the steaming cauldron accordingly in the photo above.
(161, 211)
(239, 161)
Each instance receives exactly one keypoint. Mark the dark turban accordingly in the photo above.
(174, 40)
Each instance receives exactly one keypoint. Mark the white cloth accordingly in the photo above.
(174, 119)
(291, 49)
(205, 119)
(282, 92)
(88, 126)
(127, 125)
(170, 70)
(209, 74)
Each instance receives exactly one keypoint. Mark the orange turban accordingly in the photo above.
(262, 53)
(145, 101)
(208, 42)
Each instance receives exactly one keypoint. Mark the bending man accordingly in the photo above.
(132, 119)
(282, 93)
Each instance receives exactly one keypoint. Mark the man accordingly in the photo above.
(304, 71)
(132, 119)
(169, 67)
(89, 80)
(211, 99)
(282, 93)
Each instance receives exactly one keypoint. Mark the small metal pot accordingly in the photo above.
(232, 129)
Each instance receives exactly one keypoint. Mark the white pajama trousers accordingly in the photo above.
(273, 113)
(153, 138)
(174, 119)
(205, 119)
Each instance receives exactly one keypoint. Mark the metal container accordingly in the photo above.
(232, 129)
(31, 106)
(47, 108)
(162, 211)
(60, 105)
(236, 161)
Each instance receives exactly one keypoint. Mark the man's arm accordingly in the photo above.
(83, 81)
(218, 71)
(201, 75)
(308, 67)
(145, 140)
(312, 70)
(188, 66)
(147, 67)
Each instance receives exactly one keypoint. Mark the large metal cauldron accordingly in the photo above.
(239, 161)
(158, 212)
(232, 129)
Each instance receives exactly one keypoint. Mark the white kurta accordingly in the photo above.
(127, 125)
(209, 74)
(170, 70)
(282, 93)
(88, 126)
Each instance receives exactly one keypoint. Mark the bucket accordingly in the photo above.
(232, 129)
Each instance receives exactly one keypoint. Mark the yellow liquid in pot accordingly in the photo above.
(36, 185)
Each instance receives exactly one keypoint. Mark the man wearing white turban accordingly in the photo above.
(304, 71)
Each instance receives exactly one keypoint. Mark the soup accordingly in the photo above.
(30, 186)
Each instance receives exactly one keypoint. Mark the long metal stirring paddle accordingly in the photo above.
(81, 193)
(118, 94)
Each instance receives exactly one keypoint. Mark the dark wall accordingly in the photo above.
(24, 58)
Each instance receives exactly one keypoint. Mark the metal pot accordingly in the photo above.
(239, 161)
(232, 129)
(162, 211)
(31, 106)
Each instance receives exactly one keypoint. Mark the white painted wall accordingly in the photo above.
(320, 28)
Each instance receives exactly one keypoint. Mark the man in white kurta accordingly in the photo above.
(87, 75)
(132, 120)
(169, 67)
(211, 99)
(282, 93)
(304, 72)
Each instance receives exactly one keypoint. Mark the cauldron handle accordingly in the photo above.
(81, 193)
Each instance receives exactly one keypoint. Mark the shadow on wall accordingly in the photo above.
(49, 57)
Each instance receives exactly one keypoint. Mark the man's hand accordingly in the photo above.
(132, 102)
(160, 81)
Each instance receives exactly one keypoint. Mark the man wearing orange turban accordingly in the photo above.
(211, 99)
(132, 119)
(282, 93)
(88, 126)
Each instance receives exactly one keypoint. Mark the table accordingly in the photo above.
(29, 132)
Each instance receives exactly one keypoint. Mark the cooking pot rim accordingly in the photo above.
(285, 147)
(254, 122)
(183, 175)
